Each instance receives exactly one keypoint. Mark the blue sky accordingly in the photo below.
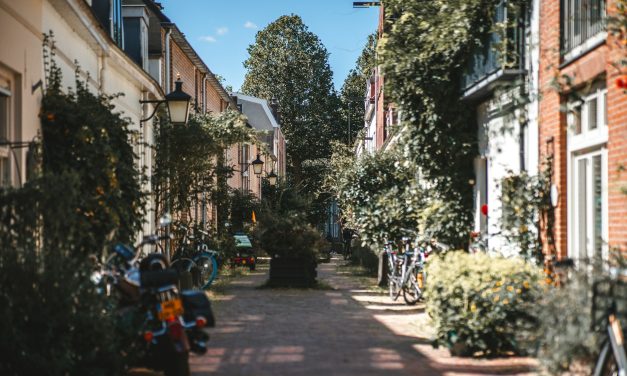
(220, 31)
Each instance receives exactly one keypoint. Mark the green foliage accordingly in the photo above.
(423, 71)
(374, 194)
(283, 230)
(82, 134)
(53, 320)
(242, 205)
(88, 189)
(354, 89)
(481, 304)
(365, 258)
(564, 334)
(189, 159)
(525, 198)
(289, 63)
(285, 237)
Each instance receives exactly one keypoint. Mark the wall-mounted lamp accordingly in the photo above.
(177, 102)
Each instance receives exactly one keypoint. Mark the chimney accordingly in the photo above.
(274, 106)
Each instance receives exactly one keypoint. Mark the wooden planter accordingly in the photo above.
(292, 272)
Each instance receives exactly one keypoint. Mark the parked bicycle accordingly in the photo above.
(407, 273)
(194, 256)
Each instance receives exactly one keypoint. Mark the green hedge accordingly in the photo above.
(481, 304)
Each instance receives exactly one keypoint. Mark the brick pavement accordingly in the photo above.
(348, 330)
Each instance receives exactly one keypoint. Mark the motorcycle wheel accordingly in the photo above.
(177, 364)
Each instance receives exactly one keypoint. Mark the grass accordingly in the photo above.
(225, 275)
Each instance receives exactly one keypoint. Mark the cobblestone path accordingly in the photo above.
(340, 331)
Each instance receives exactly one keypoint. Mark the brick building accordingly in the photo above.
(583, 126)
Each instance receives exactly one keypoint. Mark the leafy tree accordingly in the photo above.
(190, 160)
(289, 63)
(354, 88)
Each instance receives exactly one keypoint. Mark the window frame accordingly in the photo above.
(587, 145)
(7, 92)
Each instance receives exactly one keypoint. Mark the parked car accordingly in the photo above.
(245, 255)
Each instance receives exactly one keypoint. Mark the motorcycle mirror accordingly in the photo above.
(165, 220)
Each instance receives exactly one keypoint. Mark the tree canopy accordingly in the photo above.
(289, 63)
(354, 88)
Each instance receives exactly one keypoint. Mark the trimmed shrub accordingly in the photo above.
(480, 304)
(366, 258)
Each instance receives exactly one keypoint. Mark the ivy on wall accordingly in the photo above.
(83, 134)
(526, 199)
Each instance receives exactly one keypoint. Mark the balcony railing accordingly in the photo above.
(495, 59)
(580, 21)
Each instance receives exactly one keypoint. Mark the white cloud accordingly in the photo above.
(208, 38)
(250, 25)
(222, 30)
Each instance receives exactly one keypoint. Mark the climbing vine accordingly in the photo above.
(423, 71)
(190, 159)
(526, 199)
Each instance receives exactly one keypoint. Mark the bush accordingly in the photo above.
(284, 237)
(480, 304)
(366, 258)
(53, 320)
(565, 335)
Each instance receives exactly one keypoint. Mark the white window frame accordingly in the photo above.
(586, 145)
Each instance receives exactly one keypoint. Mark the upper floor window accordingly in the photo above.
(109, 13)
(6, 132)
(581, 21)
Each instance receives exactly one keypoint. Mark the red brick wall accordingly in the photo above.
(617, 145)
(594, 65)
(183, 66)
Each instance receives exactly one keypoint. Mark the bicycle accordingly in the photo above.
(612, 359)
(196, 258)
(407, 273)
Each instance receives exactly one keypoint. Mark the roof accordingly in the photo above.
(257, 111)
(180, 39)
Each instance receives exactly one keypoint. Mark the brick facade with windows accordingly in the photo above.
(584, 126)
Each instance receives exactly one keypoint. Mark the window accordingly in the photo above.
(587, 202)
(5, 152)
(581, 20)
(109, 13)
(244, 161)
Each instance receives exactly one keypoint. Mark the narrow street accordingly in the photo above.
(342, 329)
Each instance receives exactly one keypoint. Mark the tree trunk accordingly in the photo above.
(382, 278)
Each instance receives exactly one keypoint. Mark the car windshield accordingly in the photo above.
(242, 241)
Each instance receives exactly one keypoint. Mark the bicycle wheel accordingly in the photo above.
(411, 291)
(392, 286)
(207, 269)
(606, 364)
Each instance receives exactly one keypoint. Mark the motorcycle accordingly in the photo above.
(172, 321)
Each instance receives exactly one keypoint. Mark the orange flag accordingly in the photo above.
(254, 217)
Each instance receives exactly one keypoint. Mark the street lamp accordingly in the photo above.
(272, 178)
(177, 102)
(257, 165)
